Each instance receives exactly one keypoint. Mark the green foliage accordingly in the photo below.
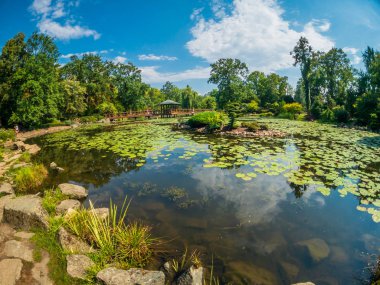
(125, 245)
(255, 126)
(253, 106)
(341, 115)
(328, 116)
(30, 178)
(51, 198)
(234, 110)
(211, 119)
(107, 108)
(292, 109)
(7, 135)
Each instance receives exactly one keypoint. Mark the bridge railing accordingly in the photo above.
(154, 113)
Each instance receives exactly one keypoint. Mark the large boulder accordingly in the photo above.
(73, 191)
(25, 212)
(10, 271)
(304, 283)
(77, 265)
(18, 249)
(114, 276)
(6, 188)
(65, 205)
(192, 276)
(316, 248)
(4, 201)
(102, 213)
(71, 243)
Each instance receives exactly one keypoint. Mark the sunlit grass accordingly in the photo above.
(30, 178)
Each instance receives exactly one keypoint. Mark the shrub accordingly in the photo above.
(341, 115)
(292, 109)
(253, 106)
(107, 108)
(327, 115)
(266, 114)
(89, 119)
(7, 135)
(374, 122)
(254, 126)
(30, 178)
(211, 119)
(126, 245)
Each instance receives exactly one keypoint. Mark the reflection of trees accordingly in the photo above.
(87, 166)
(298, 190)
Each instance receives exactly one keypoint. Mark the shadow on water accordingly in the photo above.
(370, 141)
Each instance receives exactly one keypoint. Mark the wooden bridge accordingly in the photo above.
(148, 114)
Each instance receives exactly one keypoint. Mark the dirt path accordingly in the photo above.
(31, 134)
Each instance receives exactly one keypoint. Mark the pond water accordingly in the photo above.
(304, 207)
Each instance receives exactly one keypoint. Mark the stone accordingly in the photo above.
(25, 212)
(252, 274)
(73, 191)
(24, 235)
(290, 269)
(114, 276)
(18, 249)
(32, 148)
(40, 270)
(60, 169)
(19, 165)
(316, 248)
(102, 213)
(10, 271)
(53, 165)
(4, 201)
(71, 243)
(192, 276)
(65, 205)
(6, 188)
(77, 265)
(304, 283)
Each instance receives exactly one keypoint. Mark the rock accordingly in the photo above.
(113, 276)
(65, 205)
(4, 201)
(192, 276)
(32, 148)
(10, 271)
(19, 165)
(6, 188)
(24, 235)
(77, 265)
(339, 255)
(317, 248)
(290, 269)
(252, 274)
(25, 212)
(60, 169)
(167, 266)
(17, 249)
(40, 270)
(72, 243)
(53, 165)
(73, 191)
(304, 283)
(102, 213)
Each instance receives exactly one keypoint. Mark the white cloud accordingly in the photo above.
(120, 59)
(156, 57)
(150, 74)
(79, 54)
(196, 13)
(255, 32)
(48, 12)
(354, 54)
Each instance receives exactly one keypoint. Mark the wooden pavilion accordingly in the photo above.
(168, 108)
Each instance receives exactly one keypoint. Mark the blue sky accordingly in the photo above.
(176, 40)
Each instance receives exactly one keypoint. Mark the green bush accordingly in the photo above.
(266, 114)
(30, 178)
(374, 122)
(211, 119)
(90, 119)
(254, 126)
(341, 115)
(292, 109)
(327, 115)
(7, 135)
(107, 108)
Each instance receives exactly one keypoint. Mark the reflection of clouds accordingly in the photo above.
(255, 202)
(312, 196)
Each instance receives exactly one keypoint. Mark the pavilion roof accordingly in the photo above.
(169, 102)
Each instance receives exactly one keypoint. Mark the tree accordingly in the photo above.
(303, 56)
(74, 104)
(234, 110)
(171, 92)
(229, 74)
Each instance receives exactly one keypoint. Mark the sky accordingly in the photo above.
(176, 40)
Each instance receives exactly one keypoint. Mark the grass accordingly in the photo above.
(25, 157)
(51, 199)
(117, 243)
(46, 240)
(30, 178)
(7, 135)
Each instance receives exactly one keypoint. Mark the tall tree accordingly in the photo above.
(303, 56)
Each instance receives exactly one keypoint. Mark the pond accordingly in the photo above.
(268, 210)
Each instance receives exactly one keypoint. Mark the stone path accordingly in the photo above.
(17, 265)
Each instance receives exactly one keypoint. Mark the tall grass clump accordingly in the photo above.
(30, 178)
(127, 245)
(51, 198)
(212, 120)
(7, 135)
